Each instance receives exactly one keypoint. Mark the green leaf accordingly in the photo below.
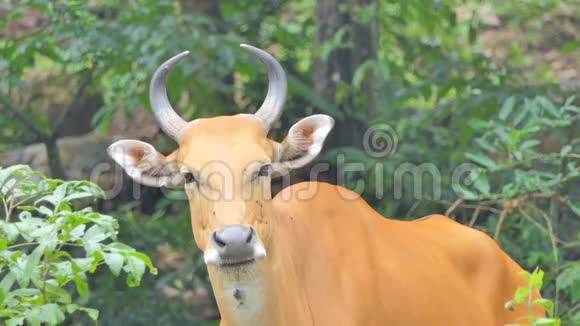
(547, 322)
(507, 108)
(7, 282)
(576, 291)
(547, 304)
(82, 287)
(10, 231)
(576, 208)
(77, 195)
(57, 294)
(3, 244)
(31, 264)
(60, 192)
(16, 321)
(45, 210)
(521, 294)
(482, 159)
(568, 276)
(27, 292)
(570, 47)
(469, 195)
(93, 313)
(95, 233)
(144, 258)
(566, 150)
(114, 261)
(537, 278)
(136, 268)
(548, 106)
(530, 143)
(48, 313)
(481, 183)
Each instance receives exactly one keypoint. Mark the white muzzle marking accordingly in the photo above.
(212, 257)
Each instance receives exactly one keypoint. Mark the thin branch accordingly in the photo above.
(454, 206)
(539, 226)
(485, 208)
(22, 245)
(413, 208)
(480, 206)
(20, 140)
(554, 248)
(502, 217)
(5, 204)
(474, 216)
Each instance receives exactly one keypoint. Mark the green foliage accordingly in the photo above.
(569, 282)
(525, 295)
(49, 246)
(513, 139)
(446, 98)
(530, 186)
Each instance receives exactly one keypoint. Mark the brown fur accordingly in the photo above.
(331, 259)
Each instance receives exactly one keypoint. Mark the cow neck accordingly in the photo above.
(260, 295)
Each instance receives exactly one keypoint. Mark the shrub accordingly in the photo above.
(50, 243)
(524, 295)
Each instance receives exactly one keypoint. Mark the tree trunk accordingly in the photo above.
(53, 157)
(336, 71)
(212, 9)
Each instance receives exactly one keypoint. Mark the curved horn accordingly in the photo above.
(273, 105)
(171, 123)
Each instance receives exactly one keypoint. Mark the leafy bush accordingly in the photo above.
(569, 282)
(524, 295)
(439, 86)
(528, 188)
(49, 244)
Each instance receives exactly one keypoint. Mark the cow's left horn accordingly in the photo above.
(169, 121)
(273, 105)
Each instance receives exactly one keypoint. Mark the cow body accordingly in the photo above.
(338, 262)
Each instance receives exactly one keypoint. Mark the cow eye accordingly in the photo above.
(189, 178)
(264, 170)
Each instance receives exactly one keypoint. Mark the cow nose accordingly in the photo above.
(235, 243)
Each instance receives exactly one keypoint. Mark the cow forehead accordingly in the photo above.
(236, 141)
(222, 127)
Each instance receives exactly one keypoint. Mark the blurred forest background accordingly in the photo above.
(487, 85)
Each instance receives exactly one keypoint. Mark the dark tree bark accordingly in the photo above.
(212, 9)
(339, 68)
(53, 157)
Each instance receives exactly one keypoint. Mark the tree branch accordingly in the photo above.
(20, 140)
(23, 118)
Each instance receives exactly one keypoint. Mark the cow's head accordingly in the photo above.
(225, 164)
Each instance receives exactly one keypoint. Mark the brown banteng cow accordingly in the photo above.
(312, 255)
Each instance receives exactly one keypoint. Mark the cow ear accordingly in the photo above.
(145, 165)
(303, 143)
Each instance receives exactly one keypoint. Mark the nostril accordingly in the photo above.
(217, 240)
(251, 235)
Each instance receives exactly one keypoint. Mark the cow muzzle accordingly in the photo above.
(234, 245)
